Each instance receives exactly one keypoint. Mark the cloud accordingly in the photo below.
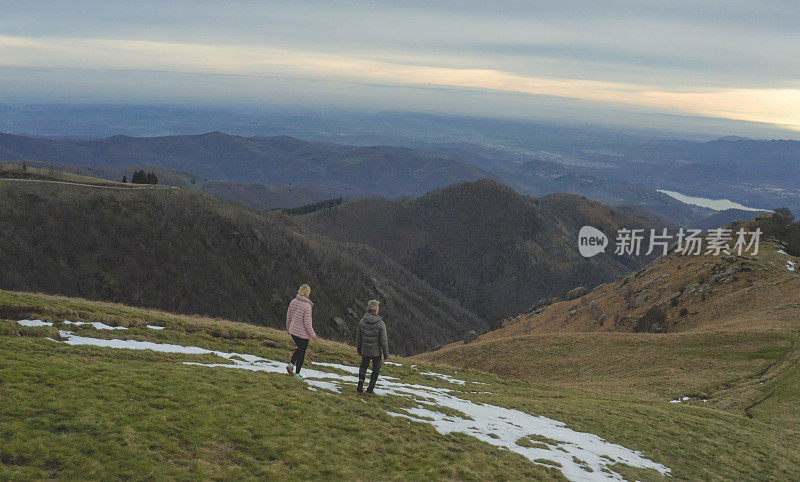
(730, 58)
(776, 105)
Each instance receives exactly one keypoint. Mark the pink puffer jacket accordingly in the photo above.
(298, 318)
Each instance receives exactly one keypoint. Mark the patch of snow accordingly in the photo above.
(154, 327)
(790, 265)
(450, 378)
(780, 251)
(34, 323)
(353, 370)
(393, 364)
(445, 377)
(96, 324)
(498, 426)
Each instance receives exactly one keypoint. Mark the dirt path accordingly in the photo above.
(98, 186)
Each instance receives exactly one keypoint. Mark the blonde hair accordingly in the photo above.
(373, 305)
(304, 290)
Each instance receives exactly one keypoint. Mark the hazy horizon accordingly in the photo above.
(713, 67)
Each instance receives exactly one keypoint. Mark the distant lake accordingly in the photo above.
(718, 204)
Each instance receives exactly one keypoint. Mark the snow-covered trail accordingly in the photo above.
(581, 455)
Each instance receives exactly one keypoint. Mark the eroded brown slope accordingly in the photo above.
(694, 293)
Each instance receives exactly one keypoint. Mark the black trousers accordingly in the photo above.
(376, 370)
(300, 353)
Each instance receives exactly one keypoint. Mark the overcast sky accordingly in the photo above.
(734, 59)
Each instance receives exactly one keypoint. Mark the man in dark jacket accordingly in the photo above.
(372, 343)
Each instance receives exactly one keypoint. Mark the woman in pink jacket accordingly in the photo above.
(298, 324)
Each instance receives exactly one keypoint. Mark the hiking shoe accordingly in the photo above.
(297, 376)
(290, 369)
(360, 387)
(369, 392)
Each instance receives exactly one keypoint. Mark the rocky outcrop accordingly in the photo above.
(653, 321)
(339, 326)
(577, 293)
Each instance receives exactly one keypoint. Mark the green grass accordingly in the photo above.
(85, 412)
(73, 412)
(15, 171)
(645, 366)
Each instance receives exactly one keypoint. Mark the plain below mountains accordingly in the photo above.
(482, 243)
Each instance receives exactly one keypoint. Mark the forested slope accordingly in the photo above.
(481, 243)
(190, 253)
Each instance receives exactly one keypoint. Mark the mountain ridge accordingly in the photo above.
(483, 243)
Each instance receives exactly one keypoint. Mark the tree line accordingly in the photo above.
(317, 206)
(781, 224)
(141, 177)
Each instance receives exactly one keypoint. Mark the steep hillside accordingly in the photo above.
(388, 171)
(485, 245)
(179, 250)
(681, 293)
(686, 328)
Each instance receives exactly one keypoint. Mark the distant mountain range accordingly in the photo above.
(387, 171)
(284, 172)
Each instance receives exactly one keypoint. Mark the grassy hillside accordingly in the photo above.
(720, 329)
(179, 250)
(389, 171)
(10, 172)
(482, 243)
(82, 411)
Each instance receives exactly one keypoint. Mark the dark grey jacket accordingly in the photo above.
(372, 340)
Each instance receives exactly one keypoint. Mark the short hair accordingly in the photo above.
(304, 290)
(373, 305)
